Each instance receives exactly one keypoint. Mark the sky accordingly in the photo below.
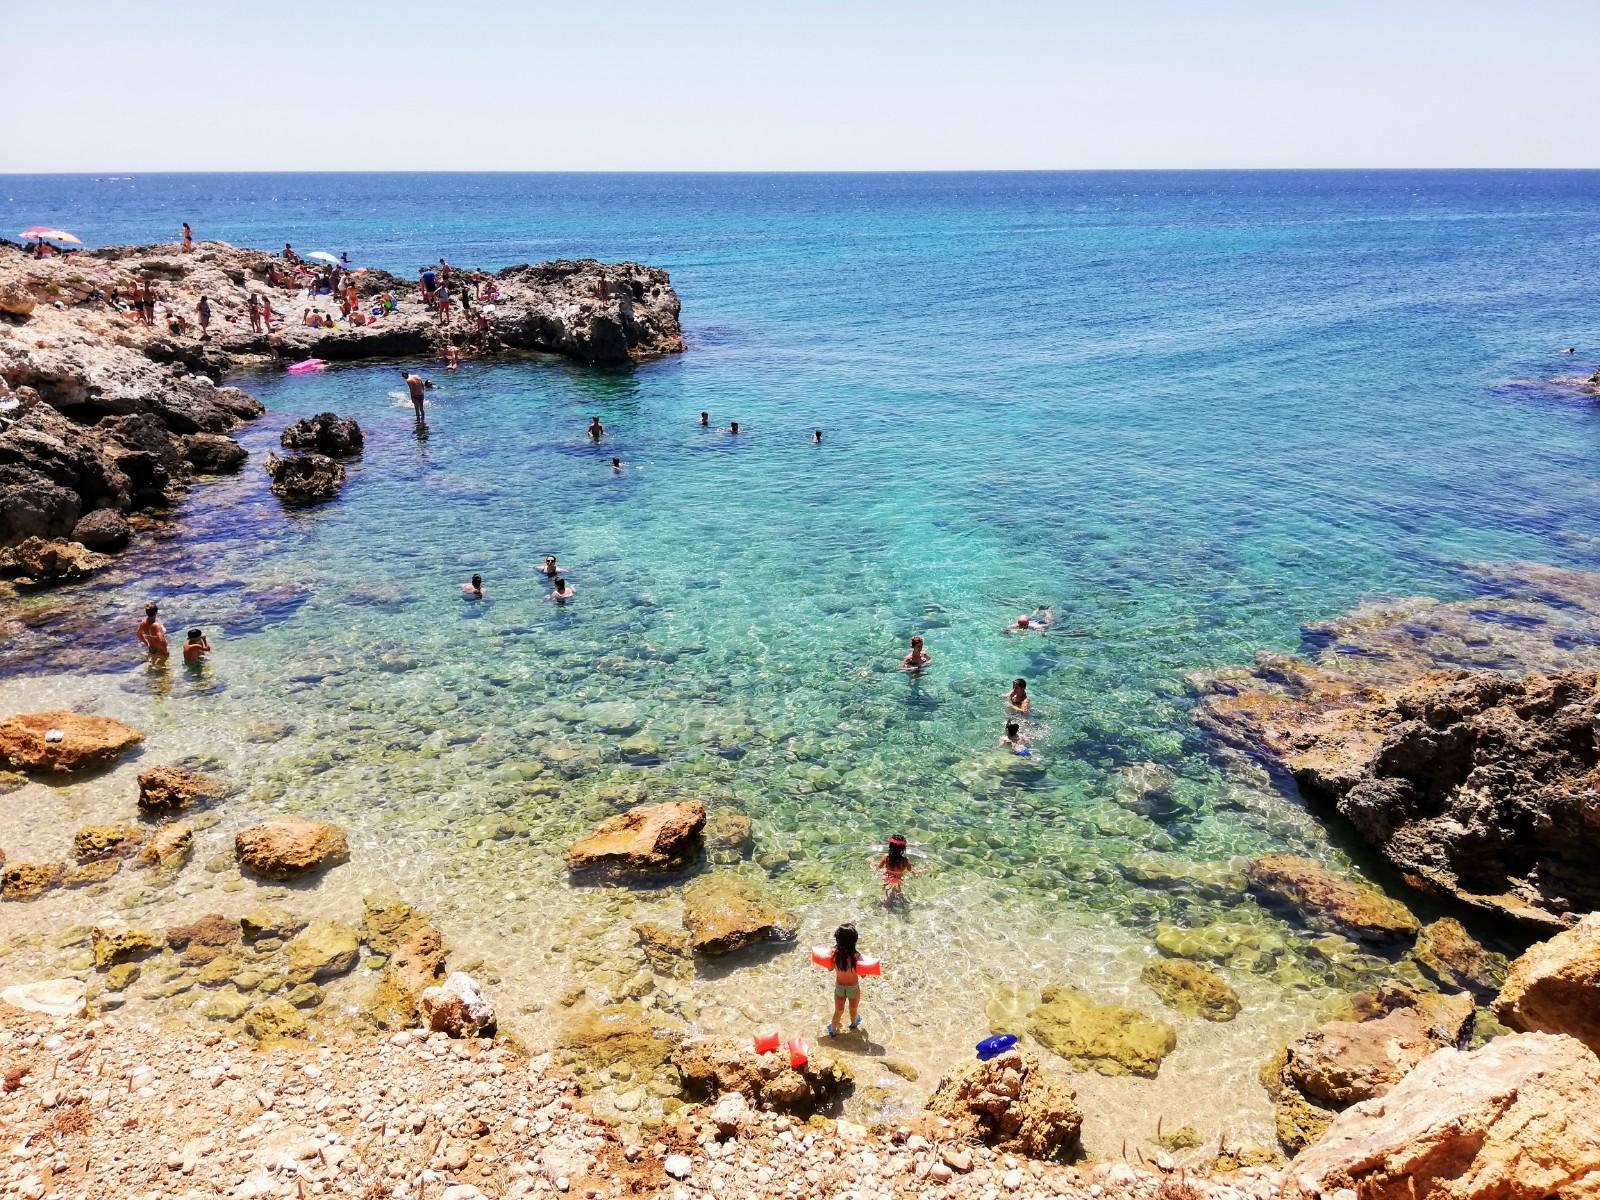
(813, 85)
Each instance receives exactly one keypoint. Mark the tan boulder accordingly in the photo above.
(644, 840)
(94, 842)
(724, 913)
(1516, 1119)
(290, 846)
(169, 848)
(41, 562)
(1555, 986)
(169, 789)
(204, 940)
(26, 880)
(1191, 988)
(1011, 1104)
(712, 1067)
(457, 1007)
(118, 942)
(15, 300)
(86, 741)
(1451, 955)
(1330, 902)
(1107, 1038)
(416, 965)
(323, 949)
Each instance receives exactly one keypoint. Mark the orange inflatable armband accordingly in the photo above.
(869, 966)
(822, 956)
(766, 1041)
(797, 1052)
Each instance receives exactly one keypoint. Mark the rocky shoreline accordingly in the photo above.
(103, 417)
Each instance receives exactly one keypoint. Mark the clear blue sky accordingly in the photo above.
(149, 85)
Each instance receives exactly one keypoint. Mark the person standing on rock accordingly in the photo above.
(153, 635)
(202, 310)
(416, 385)
(188, 238)
(254, 312)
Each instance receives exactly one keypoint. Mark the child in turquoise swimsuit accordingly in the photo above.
(846, 982)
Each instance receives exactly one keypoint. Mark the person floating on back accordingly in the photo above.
(474, 590)
(846, 980)
(196, 647)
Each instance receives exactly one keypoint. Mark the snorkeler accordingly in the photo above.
(918, 658)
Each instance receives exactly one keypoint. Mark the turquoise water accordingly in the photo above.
(1187, 411)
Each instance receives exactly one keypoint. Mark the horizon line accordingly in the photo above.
(130, 172)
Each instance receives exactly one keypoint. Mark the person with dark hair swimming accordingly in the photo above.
(1017, 697)
(918, 658)
(1013, 740)
(473, 590)
(560, 591)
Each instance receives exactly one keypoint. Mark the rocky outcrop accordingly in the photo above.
(326, 433)
(103, 529)
(646, 840)
(1555, 986)
(289, 847)
(457, 1007)
(1518, 1117)
(724, 913)
(712, 1067)
(1107, 1038)
(1191, 988)
(65, 743)
(165, 790)
(30, 880)
(301, 479)
(322, 950)
(1457, 960)
(1329, 902)
(1012, 1104)
(94, 842)
(1360, 1056)
(36, 562)
(416, 965)
(1476, 785)
(212, 453)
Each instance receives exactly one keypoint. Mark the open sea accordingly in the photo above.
(1188, 412)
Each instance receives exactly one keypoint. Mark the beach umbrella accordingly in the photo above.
(45, 233)
(324, 256)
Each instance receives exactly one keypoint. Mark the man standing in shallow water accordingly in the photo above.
(415, 384)
(153, 635)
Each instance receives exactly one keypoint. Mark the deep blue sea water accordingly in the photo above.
(1188, 411)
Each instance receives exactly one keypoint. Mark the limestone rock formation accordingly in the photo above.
(1518, 1117)
(37, 562)
(118, 840)
(205, 939)
(169, 847)
(457, 1007)
(1108, 1038)
(1012, 1104)
(416, 965)
(326, 433)
(1362, 1055)
(290, 846)
(103, 529)
(1455, 959)
(212, 453)
(712, 1067)
(85, 742)
(118, 942)
(172, 789)
(649, 839)
(29, 880)
(52, 997)
(299, 479)
(1191, 988)
(1555, 986)
(1327, 901)
(724, 913)
(323, 949)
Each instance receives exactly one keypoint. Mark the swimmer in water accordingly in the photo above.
(732, 427)
(705, 419)
(616, 465)
(894, 868)
(918, 658)
(816, 437)
(1017, 697)
(196, 648)
(1012, 738)
(475, 588)
(550, 568)
(596, 430)
(152, 634)
(560, 591)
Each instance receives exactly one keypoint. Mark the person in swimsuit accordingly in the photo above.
(918, 658)
(474, 590)
(202, 310)
(1017, 697)
(616, 465)
(1012, 738)
(188, 238)
(152, 634)
(846, 982)
(894, 868)
(196, 648)
(416, 385)
(816, 437)
(551, 571)
(705, 419)
(733, 427)
(596, 430)
(560, 591)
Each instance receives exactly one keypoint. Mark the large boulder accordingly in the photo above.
(457, 1007)
(170, 789)
(724, 913)
(213, 453)
(326, 433)
(1555, 986)
(1330, 902)
(290, 846)
(86, 742)
(416, 965)
(1108, 1038)
(649, 839)
(1361, 1055)
(304, 478)
(1010, 1103)
(37, 562)
(324, 949)
(712, 1067)
(103, 529)
(1457, 960)
(1516, 1119)
(15, 300)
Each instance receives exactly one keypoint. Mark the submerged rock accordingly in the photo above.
(203, 940)
(713, 1067)
(416, 965)
(649, 839)
(728, 834)
(288, 847)
(327, 433)
(28, 880)
(275, 1019)
(323, 949)
(1555, 986)
(304, 478)
(94, 842)
(1242, 946)
(666, 950)
(1518, 1117)
(724, 913)
(457, 1007)
(1455, 959)
(1190, 988)
(386, 921)
(1012, 1104)
(1107, 1038)
(86, 742)
(1329, 902)
(118, 942)
(625, 1034)
(170, 789)
(169, 848)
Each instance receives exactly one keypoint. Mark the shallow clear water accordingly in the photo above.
(1186, 411)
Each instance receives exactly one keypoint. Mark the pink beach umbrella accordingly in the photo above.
(45, 233)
